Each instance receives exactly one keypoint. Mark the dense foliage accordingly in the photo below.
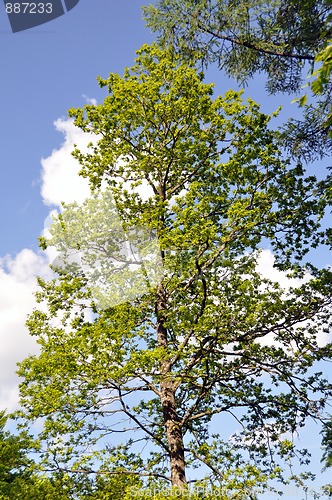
(147, 387)
(278, 38)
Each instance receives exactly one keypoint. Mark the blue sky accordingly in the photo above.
(46, 71)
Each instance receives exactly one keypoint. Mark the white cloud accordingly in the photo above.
(90, 100)
(17, 286)
(265, 267)
(60, 179)
(60, 182)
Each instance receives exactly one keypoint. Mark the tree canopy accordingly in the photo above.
(245, 38)
(146, 387)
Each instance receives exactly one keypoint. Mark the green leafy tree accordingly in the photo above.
(322, 79)
(323, 74)
(278, 38)
(18, 477)
(321, 83)
(12, 458)
(21, 479)
(145, 387)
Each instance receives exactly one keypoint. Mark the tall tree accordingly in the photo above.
(145, 387)
(276, 37)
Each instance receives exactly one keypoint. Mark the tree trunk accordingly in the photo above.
(174, 435)
(167, 389)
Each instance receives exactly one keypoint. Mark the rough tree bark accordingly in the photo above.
(168, 401)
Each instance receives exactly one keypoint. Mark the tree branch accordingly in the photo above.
(251, 46)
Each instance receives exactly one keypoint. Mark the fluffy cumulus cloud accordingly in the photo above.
(17, 286)
(60, 179)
